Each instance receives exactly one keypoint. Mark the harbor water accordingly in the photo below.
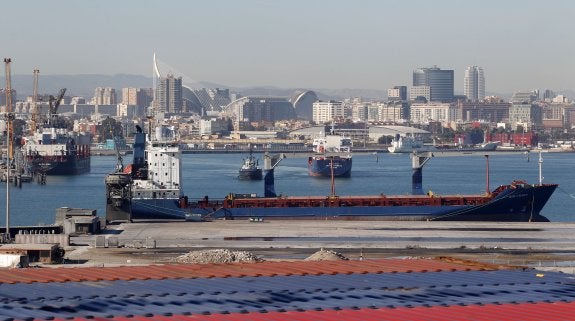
(216, 175)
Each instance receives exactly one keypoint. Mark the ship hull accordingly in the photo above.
(147, 210)
(518, 204)
(69, 165)
(250, 174)
(157, 209)
(55, 151)
(320, 166)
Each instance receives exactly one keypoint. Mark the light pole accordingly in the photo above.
(9, 151)
(8, 117)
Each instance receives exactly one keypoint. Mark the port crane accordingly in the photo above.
(54, 103)
(36, 110)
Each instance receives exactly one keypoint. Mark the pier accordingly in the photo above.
(549, 245)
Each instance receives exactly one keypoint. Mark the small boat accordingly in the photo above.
(250, 169)
(408, 144)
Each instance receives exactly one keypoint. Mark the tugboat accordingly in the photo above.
(250, 169)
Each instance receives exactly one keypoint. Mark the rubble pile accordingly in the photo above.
(217, 256)
(326, 255)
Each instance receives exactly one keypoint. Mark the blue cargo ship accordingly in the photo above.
(516, 202)
(331, 157)
(150, 189)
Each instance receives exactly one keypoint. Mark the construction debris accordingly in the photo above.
(218, 256)
(326, 255)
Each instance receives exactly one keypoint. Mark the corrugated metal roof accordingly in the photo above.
(328, 290)
(234, 270)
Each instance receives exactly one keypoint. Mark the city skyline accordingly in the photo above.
(297, 44)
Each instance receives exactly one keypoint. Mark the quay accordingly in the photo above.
(549, 244)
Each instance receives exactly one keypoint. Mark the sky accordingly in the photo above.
(362, 44)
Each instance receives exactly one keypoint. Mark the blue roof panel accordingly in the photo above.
(266, 294)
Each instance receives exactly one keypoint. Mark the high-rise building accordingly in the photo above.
(524, 111)
(169, 95)
(105, 96)
(419, 93)
(474, 83)
(140, 97)
(327, 111)
(433, 112)
(440, 82)
(397, 93)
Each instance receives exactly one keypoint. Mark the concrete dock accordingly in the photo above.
(528, 244)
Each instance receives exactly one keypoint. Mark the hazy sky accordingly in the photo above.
(297, 43)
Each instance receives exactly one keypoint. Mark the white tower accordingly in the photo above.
(474, 83)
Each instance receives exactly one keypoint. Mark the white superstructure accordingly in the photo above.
(408, 144)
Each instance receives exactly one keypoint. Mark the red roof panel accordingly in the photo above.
(174, 271)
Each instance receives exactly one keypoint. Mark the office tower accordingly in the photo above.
(440, 82)
(474, 83)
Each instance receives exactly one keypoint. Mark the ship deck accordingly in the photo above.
(348, 201)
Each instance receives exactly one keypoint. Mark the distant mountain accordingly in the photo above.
(567, 93)
(84, 85)
(76, 85)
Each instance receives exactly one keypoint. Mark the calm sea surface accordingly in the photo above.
(215, 175)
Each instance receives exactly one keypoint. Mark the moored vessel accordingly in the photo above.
(150, 187)
(54, 149)
(516, 202)
(58, 151)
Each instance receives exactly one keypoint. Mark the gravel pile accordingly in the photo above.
(217, 256)
(326, 255)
